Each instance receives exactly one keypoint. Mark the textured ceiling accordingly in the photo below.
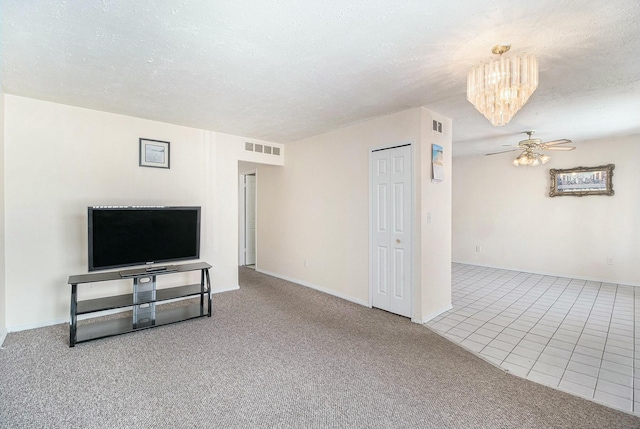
(282, 70)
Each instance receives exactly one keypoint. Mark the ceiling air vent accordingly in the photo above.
(262, 148)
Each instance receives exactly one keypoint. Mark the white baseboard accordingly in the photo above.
(547, 273)
(428, 317)
(35, 325)
(226, 289)
(316, 287)
(3, 335)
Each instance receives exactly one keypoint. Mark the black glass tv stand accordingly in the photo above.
(144, 302)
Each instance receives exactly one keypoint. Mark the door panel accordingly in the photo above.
(398, 208)
(382, 208)
(382, 274)
(391, 230)
(398, 271)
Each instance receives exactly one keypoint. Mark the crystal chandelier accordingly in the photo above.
(501, 87)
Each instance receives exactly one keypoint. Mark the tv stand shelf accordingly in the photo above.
(144, 301)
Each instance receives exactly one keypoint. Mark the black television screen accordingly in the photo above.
(127, 236)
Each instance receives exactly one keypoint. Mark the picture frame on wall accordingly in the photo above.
(581, 181)
(154, 153)
(437, 163)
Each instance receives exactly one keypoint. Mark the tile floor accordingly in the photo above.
(574, 335)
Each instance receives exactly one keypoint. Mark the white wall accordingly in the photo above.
(61, 159)
(507, 211)
(3, 318)
(316, 209)
(435, 220)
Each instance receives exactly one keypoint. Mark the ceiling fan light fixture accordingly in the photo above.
(529, 148)
(531, 158)
(498, 89)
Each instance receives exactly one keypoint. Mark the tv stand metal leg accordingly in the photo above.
(74, 318)
(202, 289)
(206, 273)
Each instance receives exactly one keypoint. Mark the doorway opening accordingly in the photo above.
(248, 219)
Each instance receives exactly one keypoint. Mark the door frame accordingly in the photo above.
(242, 224)
(412, 205)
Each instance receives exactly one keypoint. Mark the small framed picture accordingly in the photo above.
(154, 153)
(437, 163)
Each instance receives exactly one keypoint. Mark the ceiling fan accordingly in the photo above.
(529, 156)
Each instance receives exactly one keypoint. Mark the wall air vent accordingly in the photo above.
(262, 148)
(437, 126)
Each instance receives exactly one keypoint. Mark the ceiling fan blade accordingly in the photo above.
(555, 142)
(496, 153)
(565, 148)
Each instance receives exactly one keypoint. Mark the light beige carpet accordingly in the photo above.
(275, 355)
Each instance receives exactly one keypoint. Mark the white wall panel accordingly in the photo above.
(317, 209)
(3, 314)
(507, 212)
(61, 159)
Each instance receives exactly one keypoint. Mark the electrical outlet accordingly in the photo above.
(478, 248)
(306, 263)
(609, 261)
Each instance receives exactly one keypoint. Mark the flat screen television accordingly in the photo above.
(128, 236)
